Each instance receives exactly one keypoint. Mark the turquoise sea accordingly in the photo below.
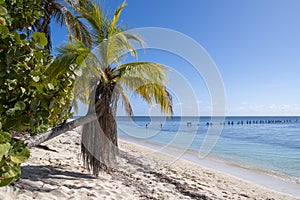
(267, 144)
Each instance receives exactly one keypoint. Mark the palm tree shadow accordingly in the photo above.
(50, 175)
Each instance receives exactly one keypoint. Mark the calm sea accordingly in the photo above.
(270, 144)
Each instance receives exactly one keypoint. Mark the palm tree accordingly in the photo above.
(106, 80)
(60, 12)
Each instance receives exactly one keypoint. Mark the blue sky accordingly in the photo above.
(255, 45)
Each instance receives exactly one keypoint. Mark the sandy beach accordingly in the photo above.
(58, 173)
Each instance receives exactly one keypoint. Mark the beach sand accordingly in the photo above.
(58, 173)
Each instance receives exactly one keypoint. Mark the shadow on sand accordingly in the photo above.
(50, 175)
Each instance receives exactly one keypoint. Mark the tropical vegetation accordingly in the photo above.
(37, 91)
(29, 102)
(106, 80)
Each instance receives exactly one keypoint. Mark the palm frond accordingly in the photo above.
(62, 16)
(63, 12)
(94, 16)
(146, 79)
(83, 87)
(125, 100)
(113, 50)
(134, 37)
(60, 65)
(82, 33)
(156, 93)
(68, 55)
(153, 72)
(116, 17)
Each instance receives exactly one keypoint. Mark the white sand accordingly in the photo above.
(142, 174)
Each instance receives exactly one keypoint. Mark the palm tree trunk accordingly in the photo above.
(107, 120)
(99, 147)
(38, 139)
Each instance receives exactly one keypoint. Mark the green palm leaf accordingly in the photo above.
(116, 17)
(147, 70)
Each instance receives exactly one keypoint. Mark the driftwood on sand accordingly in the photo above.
(38, 139)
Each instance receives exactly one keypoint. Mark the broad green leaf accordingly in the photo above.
(3, 11)
(78, 72)
(36, 78)
(38, 55)
(43, 128)
(23, 90)
(4, 30)
(20, 105)
(6, 181)
(12, 171)
(4, 149)
(10, 112)
(50, 86)
(35, 103)
(45, 114)
(40, 38)
(54, 82)
(5, 137)
(36, 13)
(11, 85)
(23, 36)
(45, 104)
(19, 153)
(18, 159)
(53, 104)
(80, 61)
(40, 88)
(3, 21)
(27, 58)
(17, 37)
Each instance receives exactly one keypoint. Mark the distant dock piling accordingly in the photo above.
(252, 122)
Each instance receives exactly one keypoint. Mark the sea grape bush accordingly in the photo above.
(12, 154)
(29, 101)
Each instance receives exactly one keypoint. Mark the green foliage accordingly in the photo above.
(12, 154)
(40, 38)
(146, 79)
(29, 100)
(23, 13)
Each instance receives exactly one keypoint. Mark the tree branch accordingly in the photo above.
(38, 139)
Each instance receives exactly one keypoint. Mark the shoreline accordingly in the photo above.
(142, 174)
(228, 175)
(272, 180)
(247, 150)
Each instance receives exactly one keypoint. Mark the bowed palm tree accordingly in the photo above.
(105, 81)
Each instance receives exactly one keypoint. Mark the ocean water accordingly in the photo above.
(269, 144)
